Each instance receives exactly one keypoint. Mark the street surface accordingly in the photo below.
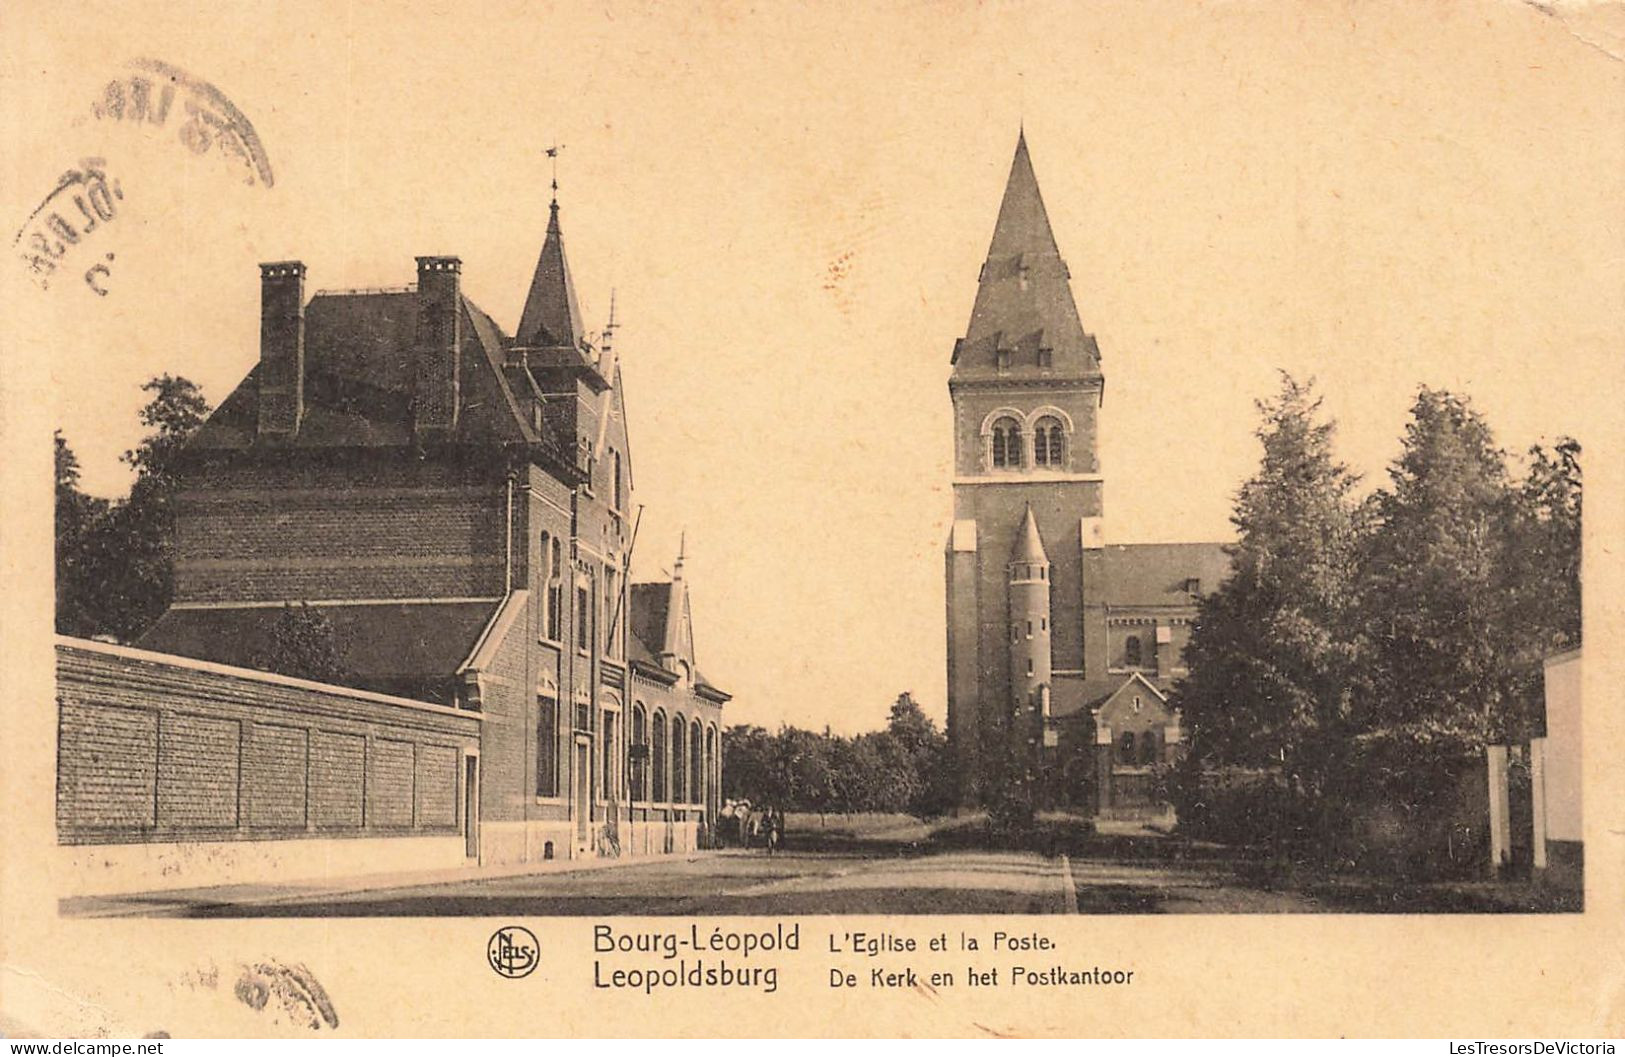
(902, 868)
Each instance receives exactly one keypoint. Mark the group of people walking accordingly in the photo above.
(741, 825)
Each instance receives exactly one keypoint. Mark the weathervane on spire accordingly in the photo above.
(553, 155)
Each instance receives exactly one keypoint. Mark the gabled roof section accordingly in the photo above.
(1071, 696)
(551, 318)
(1163, 574)
(407, 648)
(1024, 300)
(662, 630)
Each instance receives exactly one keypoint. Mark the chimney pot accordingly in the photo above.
(437, 382)
(282, 347)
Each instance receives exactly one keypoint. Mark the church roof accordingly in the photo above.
(1160, 574)
(409, 648)
(551, 317)
(1024, 299)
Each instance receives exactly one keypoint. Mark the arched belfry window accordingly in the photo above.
(1133, 656)
(1006, 444)
(1049, 442)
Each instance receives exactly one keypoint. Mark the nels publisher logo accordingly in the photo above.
(512, 951)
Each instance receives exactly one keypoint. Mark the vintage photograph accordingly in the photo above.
(714, 462)
(371, 630)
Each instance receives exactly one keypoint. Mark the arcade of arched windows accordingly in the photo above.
(683, 765)
(1012, 442)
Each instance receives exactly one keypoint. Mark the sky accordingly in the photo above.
(792, 202)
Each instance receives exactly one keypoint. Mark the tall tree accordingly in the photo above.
(1273, 662)
(924, 752)
(139, 534)
(79, 518)
(1547, 547)
(1439, 582)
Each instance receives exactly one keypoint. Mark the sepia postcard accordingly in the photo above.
(813, 519)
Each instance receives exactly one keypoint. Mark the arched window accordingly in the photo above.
(657, 755)
(679, 756)
(555, 590)
(1125, 748)
(1132, 654)
(640, 736)
(710, 764)
(696, 764)
(1049, 442)
(1148, 747)
(1006, 444)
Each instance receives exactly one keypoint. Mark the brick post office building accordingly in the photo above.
(458, 504)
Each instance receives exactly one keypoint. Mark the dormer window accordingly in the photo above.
(1002, 357)
(1046, 357)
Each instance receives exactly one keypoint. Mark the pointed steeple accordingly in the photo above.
(1029, 548)
(551, 317)
(1025, 319)
(677, 607)
(1023, 224)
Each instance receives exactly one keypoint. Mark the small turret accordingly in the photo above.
(1029, 631)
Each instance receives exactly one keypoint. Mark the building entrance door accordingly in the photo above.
(581, 796)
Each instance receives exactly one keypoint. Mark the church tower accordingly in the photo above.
(1026, 388)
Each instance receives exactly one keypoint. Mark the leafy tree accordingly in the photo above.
(1439, 576)
(1547, 548)
(1273, 662)
(925, 752)
(304, 644)
(137, 541)
(78, 520)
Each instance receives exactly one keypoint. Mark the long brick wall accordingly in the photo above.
(154, 748)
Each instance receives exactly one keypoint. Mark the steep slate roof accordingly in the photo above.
(653, 626)
(649, 603)
(1154, 574)
(1023, 300)
(385, 647)
(551, 316)
(360, 351)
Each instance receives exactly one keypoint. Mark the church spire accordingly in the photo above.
(1023, 224)
(1024, 319)
(551, 317)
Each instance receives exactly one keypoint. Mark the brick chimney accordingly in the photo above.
(282, 347)
(436, 384)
